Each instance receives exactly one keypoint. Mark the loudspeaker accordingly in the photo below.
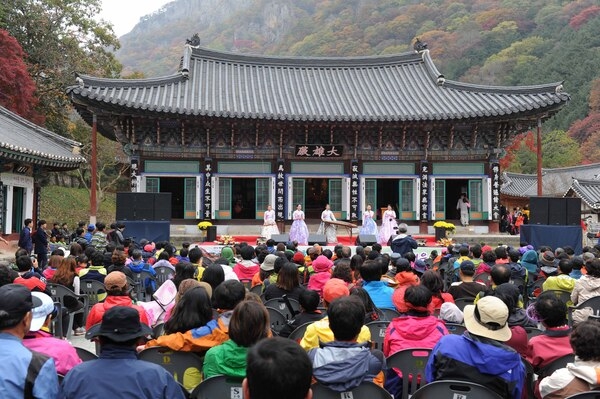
(367, 239)
(144, 206)
(125, 207)
(573, 211)
(538, 207)
(557, 211)
(211, 233)
(162, 206)
(317, 239)
(280, 238)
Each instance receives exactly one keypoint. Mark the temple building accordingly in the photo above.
(229, 134)
(27, 152)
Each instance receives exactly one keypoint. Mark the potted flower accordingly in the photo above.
(203, 226)
(443, 229)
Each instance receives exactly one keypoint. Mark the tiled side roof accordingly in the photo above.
(25, 141)
(588, 191)
(405, 87)
(518, 185)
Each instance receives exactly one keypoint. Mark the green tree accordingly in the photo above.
(559, 150)
(60, 38)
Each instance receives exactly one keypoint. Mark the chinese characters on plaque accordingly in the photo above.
(206, 194)
(319, 151)
(495, 168)
(134, 174)
(424, 194)
(280, 191)
(354, 190)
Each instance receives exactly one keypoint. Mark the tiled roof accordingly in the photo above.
(404, 87)
(588, 191)
(24, 141)
(555, 182)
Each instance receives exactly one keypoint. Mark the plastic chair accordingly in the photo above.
(142, 281)
(520, 284)
(179, 364)
(84, 354)
(378, 329)
(91, 288)
(462, 302)
(158, 330)
(564, 296)
(390, 314)
(59, 293)
(298, 333)
(366, 390)
(593, 303)
(219, 386)
(532, 332)
(484, 278)
(257, 289)
(585, 395)
(277, 319)
(456, 329)
(56, 324)
(247, 283)
(281, 306)
(411, 362)
(453, 389)
(559, 363)
(163, 273)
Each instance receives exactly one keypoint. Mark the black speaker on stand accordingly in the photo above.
(317, 239)
(366, 239)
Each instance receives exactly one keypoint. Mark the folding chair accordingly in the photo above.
(378, 329)
(142, 283)
(462, 302)
(219, 386)
(298, 333)
(451, 389)
(59, 293)
(281, 306)
(91, 288)
(366, 390)
(592, 303)
(186, 367)
(277, 319)
(559, 363)
(411, 362)
(163, 273)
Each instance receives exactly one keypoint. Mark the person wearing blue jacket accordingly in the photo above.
(480, 355)
(138, 265)
(344, 363)
(25, 241)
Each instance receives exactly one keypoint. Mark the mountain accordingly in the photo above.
(508, 42)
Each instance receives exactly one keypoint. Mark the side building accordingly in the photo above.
(27, 152)
(229, 134)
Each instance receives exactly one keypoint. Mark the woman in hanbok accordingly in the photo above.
(389, 226)
(368, 223)
(269, 226)
(299, 231)
(328, 229)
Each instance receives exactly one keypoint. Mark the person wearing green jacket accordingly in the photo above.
(249, 324)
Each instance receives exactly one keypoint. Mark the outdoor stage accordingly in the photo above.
(426, 245)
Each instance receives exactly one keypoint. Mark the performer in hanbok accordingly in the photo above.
(389, 225)
(299, 231)
(328, 229)
(368, 223)
(269, 226)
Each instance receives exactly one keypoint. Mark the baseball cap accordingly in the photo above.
(115, 280)
(335, 288)
(467, 265)
(298, 257)
(91, 227)
(420, 266)
(15, 301)
(269, 263)
(120, 324)
(42, 307)
(488, 318)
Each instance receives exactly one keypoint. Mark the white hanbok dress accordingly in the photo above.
(299, 230)
(269, 226)
(329, 230)
(389, 226)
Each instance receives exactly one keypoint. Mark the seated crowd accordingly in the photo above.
(511, 304)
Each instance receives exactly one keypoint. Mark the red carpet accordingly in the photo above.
(344, 240)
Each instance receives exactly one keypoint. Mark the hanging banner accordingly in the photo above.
(495, 169)
(206, 193)
(2, 206)
(354, 190)
(280, 191)
(134, 167)
(424, 194)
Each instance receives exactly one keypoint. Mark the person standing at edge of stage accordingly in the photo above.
(269, 226)
(368, 222)
(388, 225)
(326, 228)
(299, 230)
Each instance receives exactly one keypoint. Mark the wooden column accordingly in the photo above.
(94, 167)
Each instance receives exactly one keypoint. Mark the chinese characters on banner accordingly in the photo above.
(424, 194)
(206, 194)
(319, 151)
(495, 167)
(354, 190)
(280, 191)
(134, 174)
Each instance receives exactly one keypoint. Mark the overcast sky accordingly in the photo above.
(125, 14)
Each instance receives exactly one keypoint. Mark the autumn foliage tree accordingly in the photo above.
(17, 88)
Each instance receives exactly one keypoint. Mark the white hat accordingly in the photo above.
(488, 318)
(451, 313)
(42, 307)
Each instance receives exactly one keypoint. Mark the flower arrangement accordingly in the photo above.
(444, 242)
(445, 225)
(226, 240)
(204, 225)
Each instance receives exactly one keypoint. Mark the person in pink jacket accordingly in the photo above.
(322, 268)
